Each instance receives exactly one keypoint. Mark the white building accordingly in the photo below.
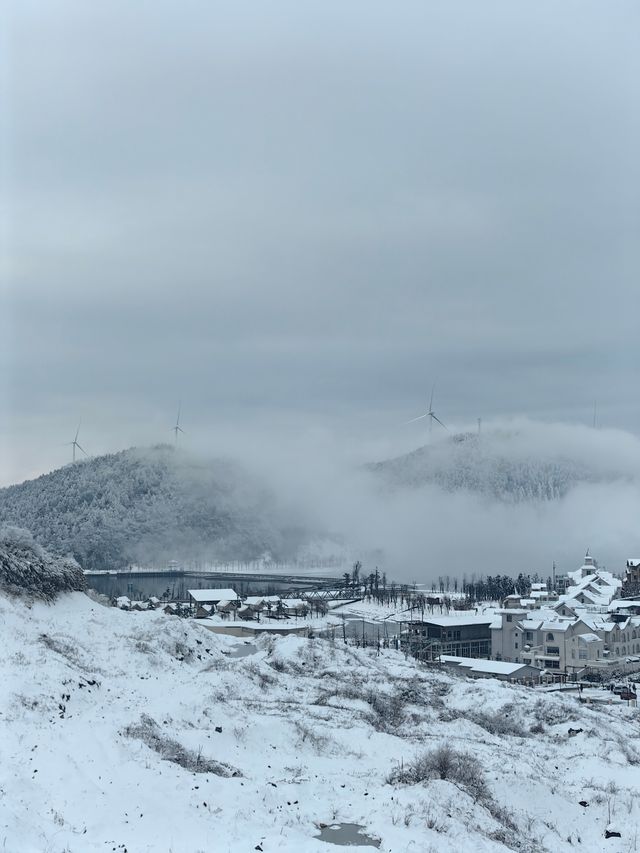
(576, 632)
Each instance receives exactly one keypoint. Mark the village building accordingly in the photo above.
(589, 629)
(462, 636)
(294, 607)
(474, 668)
(213, 596)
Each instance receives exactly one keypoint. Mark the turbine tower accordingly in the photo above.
(429, 414)
(177, 428)
(75, 444)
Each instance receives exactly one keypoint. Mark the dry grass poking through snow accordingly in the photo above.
(150, 733)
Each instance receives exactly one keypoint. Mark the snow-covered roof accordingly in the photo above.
(262, 599)
(209, 595)
(293, 602)
(596, 622)
(589, 638)
(556, 625)
(496, 667)
(530, 624)
(633, 563)
(622, 603)
(455, 621)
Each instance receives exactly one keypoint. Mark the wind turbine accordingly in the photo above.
(75, 444)
(177, 428)
(429, 414)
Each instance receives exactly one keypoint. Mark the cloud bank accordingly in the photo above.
(426, 530)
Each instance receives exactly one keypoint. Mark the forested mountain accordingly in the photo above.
(148, 505)
(496, 465)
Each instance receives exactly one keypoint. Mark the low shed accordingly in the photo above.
(480, 668)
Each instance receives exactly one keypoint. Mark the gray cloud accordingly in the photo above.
(297, 217)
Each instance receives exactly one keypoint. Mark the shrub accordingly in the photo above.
(388, 710)
(460, 768)
(552, 712)
(501, 722)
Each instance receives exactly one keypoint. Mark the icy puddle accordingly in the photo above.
(241, 650)
(347, 834)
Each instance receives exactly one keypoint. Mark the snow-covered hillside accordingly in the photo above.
(135, 732)
(148, 504)
(496, 464)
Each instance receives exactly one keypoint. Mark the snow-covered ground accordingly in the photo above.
(100, 709)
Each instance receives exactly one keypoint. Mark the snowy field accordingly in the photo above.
(134, 732)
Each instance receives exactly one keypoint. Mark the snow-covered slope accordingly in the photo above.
(148, 504)
(107, 719)
(499, 464)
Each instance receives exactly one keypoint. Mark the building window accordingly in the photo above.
(509, 618)
(553, 650)
(516, 644)
(550, 637)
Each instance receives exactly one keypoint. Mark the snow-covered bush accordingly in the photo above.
(553, 712)
(460, 768)
(27, 569)
(503, 722)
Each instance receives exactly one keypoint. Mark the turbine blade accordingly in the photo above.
(419, 418)
(439, 421)
(179, 429)
(78, 430)
(433, 388)
(81, 448)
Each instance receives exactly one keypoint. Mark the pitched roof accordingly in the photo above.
(207, 595)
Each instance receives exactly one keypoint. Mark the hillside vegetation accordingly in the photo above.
(27, 569)
(147, 505)
(143, 732)
(489, 465)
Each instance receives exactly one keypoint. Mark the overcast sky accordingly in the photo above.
(297, 216)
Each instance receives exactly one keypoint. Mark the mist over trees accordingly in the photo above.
(148, 505)
(479, 464)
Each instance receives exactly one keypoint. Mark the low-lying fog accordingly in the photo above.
(429, 530)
